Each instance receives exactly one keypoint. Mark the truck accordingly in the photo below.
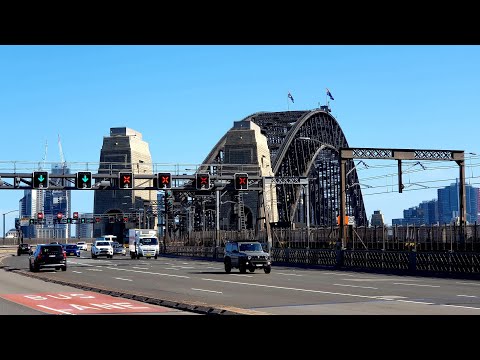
(143, 243)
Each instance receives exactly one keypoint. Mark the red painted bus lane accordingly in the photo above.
(82, 303)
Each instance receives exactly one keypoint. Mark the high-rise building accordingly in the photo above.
(124, 150)
(448, 203)
(377, 218)
(84, 230)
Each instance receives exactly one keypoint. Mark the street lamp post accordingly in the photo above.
(8, 212)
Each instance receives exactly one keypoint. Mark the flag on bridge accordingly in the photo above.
(330, 94)
(290, 97)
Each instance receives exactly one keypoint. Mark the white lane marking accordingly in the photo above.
(464, 307)
(212, 291)
(185, 263)
(332, 273)
(183, 267)
(212, 267)
(78, 272)
(379, 279)
(415, 302)
(294, 289)
(425, 285)
(468, 283)
(149, 272)
(288, 274)
(171, 268)
(357, 286)
(140, 268)
(470, 296)
(243, 275)
(57, 310)
(392, 297)
(123, 279)
(95, 269)
(79, 263)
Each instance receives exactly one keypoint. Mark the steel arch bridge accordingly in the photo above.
(307, 143)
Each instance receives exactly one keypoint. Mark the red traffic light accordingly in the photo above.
(241, 181)
(125, 219)
(59, 215)
(75, 215)
(39, 215)
(125, 180)
(164, 180)
(97, 219)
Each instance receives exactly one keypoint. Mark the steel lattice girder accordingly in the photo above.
(293, 156)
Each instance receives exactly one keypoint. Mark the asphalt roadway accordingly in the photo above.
(202, 286)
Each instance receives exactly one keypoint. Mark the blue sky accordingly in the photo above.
(184, 98)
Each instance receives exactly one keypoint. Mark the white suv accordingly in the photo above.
(102, 248)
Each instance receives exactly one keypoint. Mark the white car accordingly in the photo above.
(82, 245)
(118, 249)
(102, 248)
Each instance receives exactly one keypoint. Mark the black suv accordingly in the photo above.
(245, 255)
(23, 249)
(48, 256)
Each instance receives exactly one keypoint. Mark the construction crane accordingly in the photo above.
(63, 164)
(41, 165)
(62, 158)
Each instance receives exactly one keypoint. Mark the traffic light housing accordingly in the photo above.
(84, 180)
(125, 180)
(241, 181)
(202, 181)
(75, 214)
(40, 216)
(40, 180)
(164, 180)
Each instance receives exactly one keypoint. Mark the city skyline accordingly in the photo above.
(183, 99)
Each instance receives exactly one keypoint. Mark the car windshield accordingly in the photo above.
(148, 241)
(80, 243)
(103, 243)
(71, 247)
(251, 247)
(24, 245)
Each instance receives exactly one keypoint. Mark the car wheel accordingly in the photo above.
(252, 269)
(36, 268)
(64, 268)
(156, 256)
(18, 253)
(93, 256)
(242, 268)
(228, 266)
(267, 269)
(30, 266)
